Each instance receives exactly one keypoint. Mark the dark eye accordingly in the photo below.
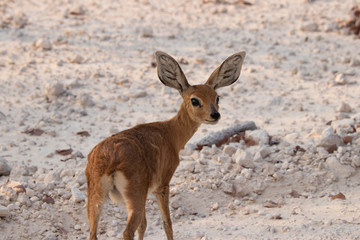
(195, 102)
(217, 100)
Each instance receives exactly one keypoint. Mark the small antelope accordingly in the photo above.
(131, 163)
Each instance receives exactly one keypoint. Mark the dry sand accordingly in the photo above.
(71, 66)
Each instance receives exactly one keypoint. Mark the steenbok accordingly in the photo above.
(128, 165)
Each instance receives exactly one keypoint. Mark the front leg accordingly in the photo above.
(162, 197)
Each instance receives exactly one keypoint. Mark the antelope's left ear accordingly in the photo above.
(228, 72)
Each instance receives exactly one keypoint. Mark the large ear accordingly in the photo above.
(228, 72)
(170, 73)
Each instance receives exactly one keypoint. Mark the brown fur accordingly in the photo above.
(130, 163)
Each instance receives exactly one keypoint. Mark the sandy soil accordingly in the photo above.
(73, 66)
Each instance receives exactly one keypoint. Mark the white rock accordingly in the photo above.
(175, 204)
(258, 157)
(52, 177)
(329, 138)
(244, 159)
(259, 136)
(344, 107)
(229, 150)
(343, 126)
(44, 44)
(23, 199)
(247, 173)
(340, 79)
(223, 158)
(77, 59)
(188, 166)
(86, 100)
(354, 62)
(67, 172)
(5, 169)
(355, 161)
(227, 188)
(80, 178)
(309, 27)
(77, 195)
(215, 206)
(269, 169)
(264, 151)
(31, 193)
(20, 20)
(340, 170)
(52, 91)
(147, 32)
(4, 211)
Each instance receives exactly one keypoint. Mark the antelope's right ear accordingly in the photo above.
(170, 73)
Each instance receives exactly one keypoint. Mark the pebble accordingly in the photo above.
(340, 170)
(244, 158)
(264, 151)
(229, 150)
(77, 59)
(309, 27)
(340, 79)
(23, 199)
(354, 62)
(20, 20)
(43, 44)
(5, 169)
(344, 108)
(147, 32)
(52, 91)
(4, 211)
(52, 177)
(329, 139)
(227, 188)
(77, 195)
(355, 161)
(80, 178)
(259, 136)
(343, 126)
(86, 100)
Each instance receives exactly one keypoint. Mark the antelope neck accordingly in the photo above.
(182, 127)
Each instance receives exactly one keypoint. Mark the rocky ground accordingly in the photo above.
(73, 74)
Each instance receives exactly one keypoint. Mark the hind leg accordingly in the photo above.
(96, 194)
(94, 206)
(134, 193)
(142, 227)
(136, 215)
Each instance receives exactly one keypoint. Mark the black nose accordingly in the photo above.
(215, 115)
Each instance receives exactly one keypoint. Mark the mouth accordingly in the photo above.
(211, 121)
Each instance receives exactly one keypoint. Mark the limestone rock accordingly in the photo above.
(309, 27)
(344, 107)
(52, 177)
(340, 170)
(329, 139)
(23, 199)
(227, 188)
(259, 136)
(52, 91)
(77, 195)
(43, 44)
(86, 100)
(5, 169)
(244, 159)
(4, 211)
(229, 150)
(344, 126)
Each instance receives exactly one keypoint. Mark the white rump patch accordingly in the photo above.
(121, 183)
